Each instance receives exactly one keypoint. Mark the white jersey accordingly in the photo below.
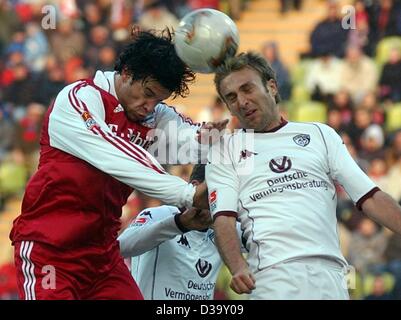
(168, 264)
(286, 197)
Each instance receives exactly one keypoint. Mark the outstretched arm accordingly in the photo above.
(383, 209)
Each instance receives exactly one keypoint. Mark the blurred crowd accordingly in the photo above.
(350, 79)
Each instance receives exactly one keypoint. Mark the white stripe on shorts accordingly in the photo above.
(28, 269)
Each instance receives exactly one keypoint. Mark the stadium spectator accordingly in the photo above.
(329, 37)
(394, 172)
(385, 20)
(392, 255)
(67, 42)
(271, 54)
(6, 132)
(379, 290)
(358, 74)
(372, 142)
(359, 36)
(323, 79)
(362, 119)
(370, 102)
(342, 102)
(366, 246)
(27, 134)
(390, 78)
(156, 17)
(49, 82)
(35, 47)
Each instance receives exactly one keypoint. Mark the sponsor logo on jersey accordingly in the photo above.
(89, 121)
(302, 139)
(288, 182)
(147, 213)
(203, 267)
(184, 242)
(118, 109)
(246, 154)
(280, 164)
(213, 200)
(133, 135)
(140, 221)
(136, 138)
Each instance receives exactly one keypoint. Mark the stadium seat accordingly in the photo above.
(12, 178)
(393, 118)
(384, 47)
(311, 111)
(300, 94)
(299, 72)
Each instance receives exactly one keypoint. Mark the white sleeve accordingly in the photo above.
(177, 138)
(343, 168)
(222, 178)
(151, 227)
(77, 126)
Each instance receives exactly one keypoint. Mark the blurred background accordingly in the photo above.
(346, 73)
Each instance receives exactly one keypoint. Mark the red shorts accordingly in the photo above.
(48, 273)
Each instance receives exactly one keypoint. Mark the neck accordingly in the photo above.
(277, 121)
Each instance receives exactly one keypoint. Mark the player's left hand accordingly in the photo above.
(210, 131)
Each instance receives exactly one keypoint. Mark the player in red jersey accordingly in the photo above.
(93, 154)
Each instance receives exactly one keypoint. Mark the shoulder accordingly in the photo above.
(164, 111)
(310, 127)
(83, 90)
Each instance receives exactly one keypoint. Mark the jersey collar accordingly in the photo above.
(283, 122)
(105, 80)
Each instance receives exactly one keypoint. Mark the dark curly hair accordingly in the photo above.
(198, 173)
(153, 56)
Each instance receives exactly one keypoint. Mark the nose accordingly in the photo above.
(242, 101)
(150, 105)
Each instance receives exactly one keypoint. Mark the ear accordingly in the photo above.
(272, 87)
(125, 76)
(195, 182)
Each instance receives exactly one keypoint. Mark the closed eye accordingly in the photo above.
(149, 93)
(247, 88)
(231, 98)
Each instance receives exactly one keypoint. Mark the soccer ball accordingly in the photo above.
(205, 38)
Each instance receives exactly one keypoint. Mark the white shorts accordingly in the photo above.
(310, 278)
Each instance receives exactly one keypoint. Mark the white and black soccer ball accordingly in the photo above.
(205, 38)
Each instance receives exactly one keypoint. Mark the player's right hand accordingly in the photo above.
(243, 281)
(196, 219)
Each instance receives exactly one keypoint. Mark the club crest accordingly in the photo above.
(302, 139)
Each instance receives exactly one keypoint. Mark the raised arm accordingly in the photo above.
(383, 209)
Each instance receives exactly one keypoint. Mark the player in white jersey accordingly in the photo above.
(278, 178)
(174, 256)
